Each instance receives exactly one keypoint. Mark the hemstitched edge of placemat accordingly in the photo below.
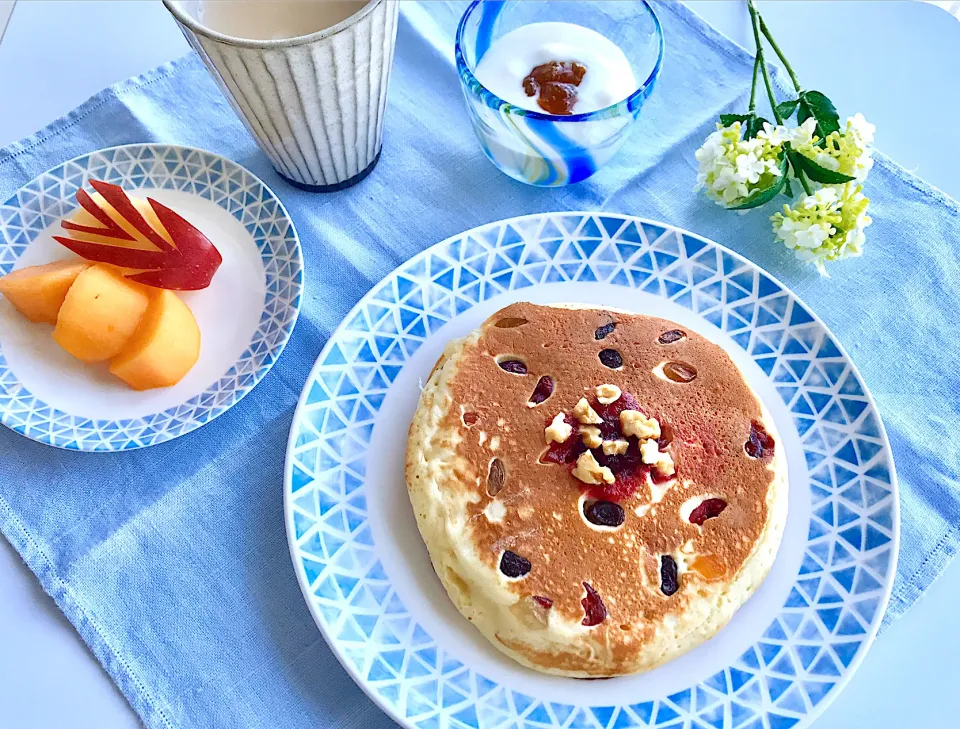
(76, 115)
(140, 697)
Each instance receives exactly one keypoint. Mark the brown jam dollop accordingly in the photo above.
(556, 83)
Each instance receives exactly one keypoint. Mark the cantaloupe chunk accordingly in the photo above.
(100, 313)
(164, 348)
(38, 292)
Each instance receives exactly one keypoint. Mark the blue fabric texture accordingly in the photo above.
(172, 562)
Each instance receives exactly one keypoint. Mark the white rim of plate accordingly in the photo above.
(51, 196)
(647, 234)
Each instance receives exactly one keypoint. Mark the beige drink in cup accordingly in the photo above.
(308, 78)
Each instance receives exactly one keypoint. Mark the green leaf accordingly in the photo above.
(767, 194)
(817, 172)
(753, 126)
(785, 109)
(728, 119)
(751, 123)
(788, 188)
(815, 104)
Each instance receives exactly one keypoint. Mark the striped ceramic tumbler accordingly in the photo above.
(314, 102)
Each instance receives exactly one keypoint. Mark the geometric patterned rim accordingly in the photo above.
(838, 597)
(51, 196)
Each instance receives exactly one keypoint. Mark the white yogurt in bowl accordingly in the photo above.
(552, 88)
(608, 79)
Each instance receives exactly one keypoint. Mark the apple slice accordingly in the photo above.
(167, 251)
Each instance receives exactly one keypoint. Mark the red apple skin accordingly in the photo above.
(188, 265)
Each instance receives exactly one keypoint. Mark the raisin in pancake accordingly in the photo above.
(599, 491)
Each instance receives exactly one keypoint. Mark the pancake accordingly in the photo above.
(598, 491)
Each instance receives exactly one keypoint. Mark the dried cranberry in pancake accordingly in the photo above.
(669, 578)
(610, 414)
(624, 463)
(621, 489)
(594, 611)
(569, 450)
(513, 565)
(470, 418)
(707, 509)
(658, 476)
(628, 468)
(514, 366)
(761, 443)
(542, 391)
(545, 602)
(666, 435)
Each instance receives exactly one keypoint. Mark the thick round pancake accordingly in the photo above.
(506, 527)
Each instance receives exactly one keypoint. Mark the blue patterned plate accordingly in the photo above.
(245, 316)
(365, 572)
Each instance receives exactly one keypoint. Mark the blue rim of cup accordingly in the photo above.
(489, 98)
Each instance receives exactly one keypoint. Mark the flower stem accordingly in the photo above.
(760, 61)
(803, 181)
(776, 49)
(753, 86)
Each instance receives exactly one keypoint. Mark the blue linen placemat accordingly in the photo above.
(172, 562)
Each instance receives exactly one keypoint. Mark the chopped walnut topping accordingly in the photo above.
(650, 452)
(591, 436)
(558, 430)
(607, 394)
(615, 447)
(586, 414)
(665, 464)
(591, 472)
(633, 422)
(651, 455)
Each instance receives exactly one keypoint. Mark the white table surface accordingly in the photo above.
(905, 82)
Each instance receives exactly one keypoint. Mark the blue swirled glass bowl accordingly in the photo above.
(545, 149)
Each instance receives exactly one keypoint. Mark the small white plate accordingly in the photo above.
(365, 572)
(245, 316)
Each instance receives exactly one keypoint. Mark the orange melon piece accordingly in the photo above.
(709, 566)
(38, 292)
(100, 313)
(164, 348)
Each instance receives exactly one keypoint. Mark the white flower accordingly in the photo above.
(821, 198)
(749, 168)
(847, 151)
(774, 135)
(861, 127)
(731, 169)
(804, 233)
(804, 134)
(826, 226)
